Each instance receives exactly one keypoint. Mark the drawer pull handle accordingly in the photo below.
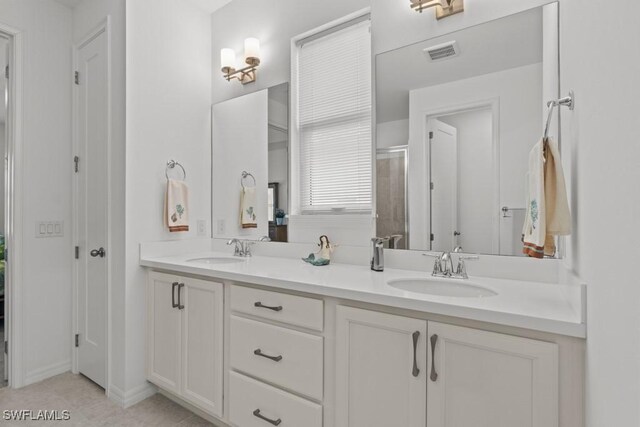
(259, 352)
(260, 305)
(434, 374)
(415, 372)
(180, 304)
(173, 294)
(262, 417)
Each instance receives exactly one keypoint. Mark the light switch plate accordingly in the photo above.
(49, 229)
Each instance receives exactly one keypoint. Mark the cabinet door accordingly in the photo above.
(163, 332)
(380, 369)
(202, 341)
(485, 379)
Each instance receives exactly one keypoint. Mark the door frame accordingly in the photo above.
(14, 323)
(103, 27)
(494, 105)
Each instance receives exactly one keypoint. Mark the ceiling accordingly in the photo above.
(498, 45)
(208, 6)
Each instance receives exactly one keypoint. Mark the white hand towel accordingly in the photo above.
(248, 217)
(547, 205)
(176, 206)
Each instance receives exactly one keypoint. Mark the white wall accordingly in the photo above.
(168, 117)
(392, 133)
(476, 204)
(601, 136)
(3, 148)
(240, 144)
(519, 91)
(86, 17)
(46, 177)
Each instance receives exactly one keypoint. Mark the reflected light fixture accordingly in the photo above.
(248, 73)
(444, 8)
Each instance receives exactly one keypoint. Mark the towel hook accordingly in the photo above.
(171, 164)
(245, 175)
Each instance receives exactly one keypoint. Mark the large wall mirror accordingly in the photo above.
(456, 117)
(250, 146)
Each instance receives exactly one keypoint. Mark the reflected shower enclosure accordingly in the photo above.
(391, 196)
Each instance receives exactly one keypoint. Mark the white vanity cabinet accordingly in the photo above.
(381, 375)
(454, 376)
(486, 379)
(185, 339)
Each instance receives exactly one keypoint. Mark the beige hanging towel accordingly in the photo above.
(547, 204)
(176, 206)
(248, 217)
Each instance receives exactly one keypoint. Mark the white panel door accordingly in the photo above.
(380, 369)
(202, 340)
(485, 379)
(163, 331)
(444, 185)
(92, 134)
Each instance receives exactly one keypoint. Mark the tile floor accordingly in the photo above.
(88, 406)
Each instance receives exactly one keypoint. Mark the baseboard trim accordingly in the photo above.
(214, 420)
(131, 397)
(41, 374)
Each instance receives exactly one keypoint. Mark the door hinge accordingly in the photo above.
(430, 135)
(6, 348)
(76, 77)
(432, 237)
(432, 186)
(76, 161)
(77, 252)
(6, 72)
(77, 340)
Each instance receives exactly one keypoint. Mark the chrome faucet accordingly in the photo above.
(377, 253)
(443, 265)
(243, 247)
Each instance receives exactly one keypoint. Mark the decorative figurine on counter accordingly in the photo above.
(324, 254)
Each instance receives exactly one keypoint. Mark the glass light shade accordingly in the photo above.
(228, 58)
(251, 48)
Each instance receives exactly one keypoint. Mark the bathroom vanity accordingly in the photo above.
(272, 341)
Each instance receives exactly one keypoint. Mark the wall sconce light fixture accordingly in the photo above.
(444, 8)
(251, 58)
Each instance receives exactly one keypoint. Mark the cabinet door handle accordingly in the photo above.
(260, 305)
(173, 294)
(415, 371)
(262, 417)
(434, 374)
(180, 305)
(259, 352)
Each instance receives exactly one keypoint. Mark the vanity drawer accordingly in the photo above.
(287, 358)
(294, 310)
(250, 399)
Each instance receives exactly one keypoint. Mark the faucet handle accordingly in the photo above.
(461, 270)
(437, 263)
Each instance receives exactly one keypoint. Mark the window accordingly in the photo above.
(334, 120)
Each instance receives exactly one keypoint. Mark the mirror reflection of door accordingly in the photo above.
(443, 157)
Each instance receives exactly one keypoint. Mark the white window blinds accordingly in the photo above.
(334, 102)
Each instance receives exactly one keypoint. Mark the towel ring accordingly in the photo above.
(171, 164)
(245, 175)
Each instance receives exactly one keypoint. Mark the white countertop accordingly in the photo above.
(537, 306)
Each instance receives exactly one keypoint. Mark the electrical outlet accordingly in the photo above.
(221, 226)
(202, 228)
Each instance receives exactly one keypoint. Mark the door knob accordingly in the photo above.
(97, 253)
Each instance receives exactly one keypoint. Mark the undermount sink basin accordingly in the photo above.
(442, 287)
(215, 260)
